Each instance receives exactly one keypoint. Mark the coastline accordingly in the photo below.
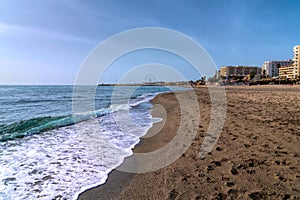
(256, 156)
(117, 180)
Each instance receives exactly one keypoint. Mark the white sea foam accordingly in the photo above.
(63, 162)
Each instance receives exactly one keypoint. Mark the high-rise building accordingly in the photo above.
(296, 61)
(287, 72)
(238, 71)
(271, 68)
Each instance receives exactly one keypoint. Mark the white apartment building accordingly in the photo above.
(270, 68)
(296, 60)
(238, 71)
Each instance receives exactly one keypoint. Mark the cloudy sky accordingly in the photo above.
(46, 41)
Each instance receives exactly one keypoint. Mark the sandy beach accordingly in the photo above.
(257, 155)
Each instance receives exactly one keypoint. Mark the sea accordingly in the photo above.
(48, 151)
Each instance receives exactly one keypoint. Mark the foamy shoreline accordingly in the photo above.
(104, 180)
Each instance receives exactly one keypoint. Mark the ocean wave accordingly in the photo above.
(33, 101)
(70, 159)
(41, 124)
(38, 125)
(119, 107)
(142, 99)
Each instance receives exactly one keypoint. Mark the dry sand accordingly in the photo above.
(256, 157)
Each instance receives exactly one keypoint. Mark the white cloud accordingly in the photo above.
(12, 29)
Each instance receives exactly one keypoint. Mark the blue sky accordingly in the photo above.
(45, 42)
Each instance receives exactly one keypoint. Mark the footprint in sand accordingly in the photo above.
(219, 149)
(217, 163)
(233, 193)
(234, 171)
(173, 194)
(230, 184)
(257, 195)
(210, 168)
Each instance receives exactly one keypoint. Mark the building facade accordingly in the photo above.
(296, 61)
(238, 71)
(270, 68)
(287, 72)
(292, 70)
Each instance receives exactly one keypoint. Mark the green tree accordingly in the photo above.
(252, 74)
(278, 66)
(264, 73)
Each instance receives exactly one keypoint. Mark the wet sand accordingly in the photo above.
(257, 155)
